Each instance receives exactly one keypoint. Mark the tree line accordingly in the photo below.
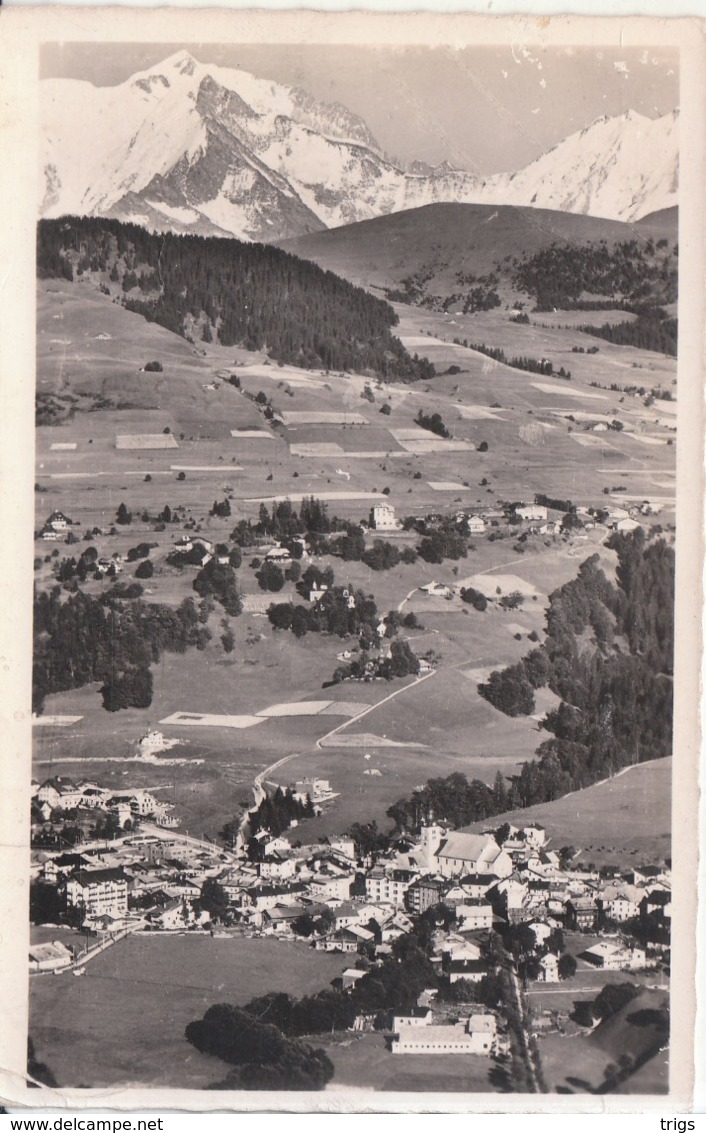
(608, 656)
(253, 295)
(80, 639)
(627, 271)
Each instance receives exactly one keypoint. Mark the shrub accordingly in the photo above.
(153, 367)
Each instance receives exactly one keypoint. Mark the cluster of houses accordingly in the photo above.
(362, 906)
(158, 881)
(59, 794)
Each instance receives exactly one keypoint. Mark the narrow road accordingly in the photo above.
(257, 787)
(165, 832)
(372, 708)
(259, 793)
(522, 1024)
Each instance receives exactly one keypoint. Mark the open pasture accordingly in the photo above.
(365, 1058)
(150, 987)
(621, 820)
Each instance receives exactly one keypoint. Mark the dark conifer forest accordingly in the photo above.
(608, 656)
(252, 295)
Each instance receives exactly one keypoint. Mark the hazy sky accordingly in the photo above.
(485, 109)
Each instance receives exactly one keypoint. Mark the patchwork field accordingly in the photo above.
(333, 442)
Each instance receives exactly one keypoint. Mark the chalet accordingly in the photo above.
(580, 913)
(347, 940)
(271, 843)
(614, 957)
(350, 977)
(140, 801)
(95, 798)
(278, 920)
(476, 525)
(472, 970)
(64, 864)
(58, 523)
(278, 555)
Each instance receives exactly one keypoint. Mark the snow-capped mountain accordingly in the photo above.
(192, 147)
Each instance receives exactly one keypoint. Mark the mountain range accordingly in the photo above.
(191, 147)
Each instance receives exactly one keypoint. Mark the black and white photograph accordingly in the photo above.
(354, 538)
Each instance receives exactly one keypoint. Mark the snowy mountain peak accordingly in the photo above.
(191, 146)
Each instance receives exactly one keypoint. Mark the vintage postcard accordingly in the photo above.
(352, 462)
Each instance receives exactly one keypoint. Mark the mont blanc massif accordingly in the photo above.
(197, 148)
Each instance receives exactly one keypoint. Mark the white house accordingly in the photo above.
(325, 887)
(382, 517)
(474, 915)
(549, 969)
(436, 590)
(614, 957)
(476, 525)
(534, 835)
(279, 555)
(533, 513)
(388, 886)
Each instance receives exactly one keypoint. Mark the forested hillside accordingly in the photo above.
(211, 289)
(608, 655)
(627, 273)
